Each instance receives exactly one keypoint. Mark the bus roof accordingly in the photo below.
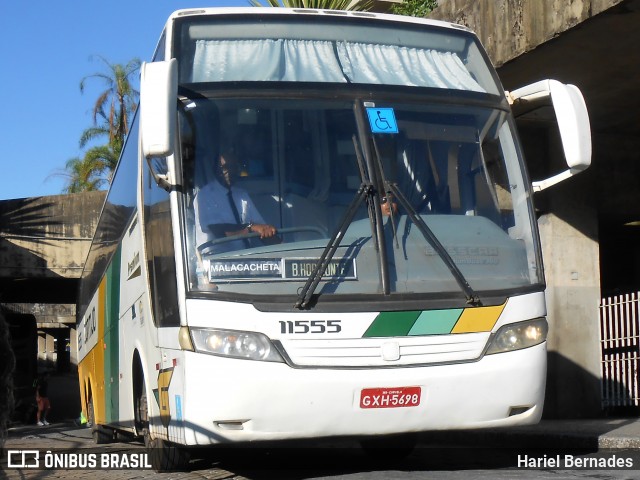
(262, 11)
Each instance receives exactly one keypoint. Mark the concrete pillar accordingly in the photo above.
(62, 355)
(73, 353)
(42, 350)
(569, 236)
(573, 294)
(51, 356)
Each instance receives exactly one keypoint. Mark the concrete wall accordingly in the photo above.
(47, 236)
(509, 28)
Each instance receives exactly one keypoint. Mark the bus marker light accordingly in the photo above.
(231, 425)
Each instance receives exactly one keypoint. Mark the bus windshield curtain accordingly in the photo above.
(323, 61)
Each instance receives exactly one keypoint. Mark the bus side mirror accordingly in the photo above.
(158, 107)
(573, 122)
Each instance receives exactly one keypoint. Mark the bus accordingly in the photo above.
(321, 225)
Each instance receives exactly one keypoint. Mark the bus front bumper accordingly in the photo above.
(240, 400)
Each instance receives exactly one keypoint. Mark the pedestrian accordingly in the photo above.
(42, 398)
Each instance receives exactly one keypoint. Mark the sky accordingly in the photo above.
(46, 48)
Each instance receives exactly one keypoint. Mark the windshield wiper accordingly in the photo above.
(391, 189)
(427, 233)
(366, 190)
(305, 294)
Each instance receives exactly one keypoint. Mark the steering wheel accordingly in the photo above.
(206, 247)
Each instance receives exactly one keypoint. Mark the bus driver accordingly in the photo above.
(223, 209)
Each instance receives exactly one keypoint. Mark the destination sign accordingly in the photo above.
(237, 269)
(344, 268)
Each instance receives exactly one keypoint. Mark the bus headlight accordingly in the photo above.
(520, 335)
(236, 344)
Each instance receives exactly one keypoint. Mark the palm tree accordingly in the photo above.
(356, 5)
(82, 174)
(116, 104)
(103, 159)
(105, 156)
(112, 114)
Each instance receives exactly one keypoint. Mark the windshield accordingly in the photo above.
(269, 182)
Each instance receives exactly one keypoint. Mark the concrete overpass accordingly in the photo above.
(43, 245)
(589, 246)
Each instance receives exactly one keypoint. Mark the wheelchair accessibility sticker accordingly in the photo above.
(382, 120)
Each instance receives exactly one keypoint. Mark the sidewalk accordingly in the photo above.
(64, 434)
(598, 433)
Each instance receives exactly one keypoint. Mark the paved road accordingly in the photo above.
(441, 459)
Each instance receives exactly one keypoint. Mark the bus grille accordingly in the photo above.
(395, 351)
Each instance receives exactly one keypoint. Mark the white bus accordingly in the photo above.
(403, 290)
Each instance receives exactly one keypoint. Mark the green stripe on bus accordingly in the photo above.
(111, 339)
(392, 324)
(436, 322)
(409, 323)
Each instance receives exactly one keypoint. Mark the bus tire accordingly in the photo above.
(100, 434)
(166, 456)
(140, 403)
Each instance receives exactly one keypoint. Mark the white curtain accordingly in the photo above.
(324, 61)
(268, 60)
(389, 64)
(311, 61)
(222, 60)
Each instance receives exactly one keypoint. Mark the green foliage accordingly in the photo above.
(82, 175)
(415, 8)
(112, 114)
(119, 98)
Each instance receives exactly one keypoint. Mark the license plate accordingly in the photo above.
(395, 397)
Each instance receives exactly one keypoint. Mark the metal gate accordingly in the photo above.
(619, 342)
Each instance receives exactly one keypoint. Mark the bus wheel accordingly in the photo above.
(166, 456)
(140, 404)
(101, 435)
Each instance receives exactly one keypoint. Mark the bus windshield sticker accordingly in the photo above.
(382, 120)
(237, 269)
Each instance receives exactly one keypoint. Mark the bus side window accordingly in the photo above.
(160, 252)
